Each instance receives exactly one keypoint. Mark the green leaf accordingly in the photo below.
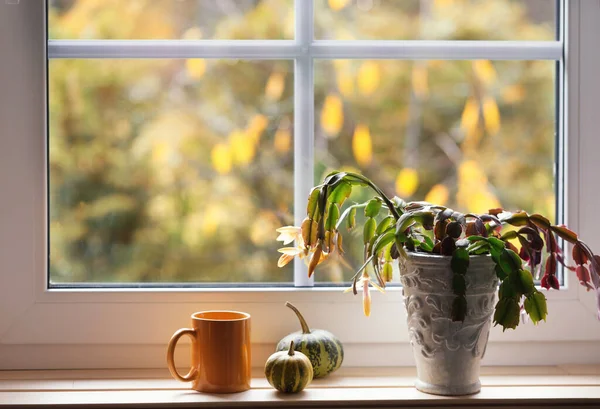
(535, 306)
(460, 261)
(540, 221)
(477, 238)
(384, 224)
(507, 313)
(387, 272)
(332, 217)
(565, 233)
(383, 241)
(459, 308)
(351, 219)
(500, 273)
(373, 207)
(340, 193)
(309, 232)
(509, 235)
(495, 252)
(508, 262)
(369, 230)
(480, 248)
(526, 282)
(518, 219)
(403, 223)
(426, 244)
(507, 290)
(459, 286)
(496, 243)
(516, 260)
(313, 199)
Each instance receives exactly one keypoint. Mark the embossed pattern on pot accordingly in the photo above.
(447, 353)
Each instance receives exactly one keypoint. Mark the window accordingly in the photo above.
(316, 103)
(178, 170)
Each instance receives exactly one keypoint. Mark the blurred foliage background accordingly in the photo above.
(181, 170)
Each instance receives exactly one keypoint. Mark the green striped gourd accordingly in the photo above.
(323, 348)
(289, 371)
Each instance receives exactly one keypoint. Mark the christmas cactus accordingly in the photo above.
(394, 227)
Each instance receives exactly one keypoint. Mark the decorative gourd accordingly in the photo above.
(323, 349)
(289, 371)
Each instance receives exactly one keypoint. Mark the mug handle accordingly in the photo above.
(191, 375)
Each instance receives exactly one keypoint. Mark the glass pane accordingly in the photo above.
(169, 170)
(435, 19)
(472, 135)
(171, 19)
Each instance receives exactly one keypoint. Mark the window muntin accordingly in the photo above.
(304, 81)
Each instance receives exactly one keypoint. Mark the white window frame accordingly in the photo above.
(110, 328)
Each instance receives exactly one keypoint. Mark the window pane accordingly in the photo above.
(171, 19)
(435, 19)
(169, 170)
(472, 135)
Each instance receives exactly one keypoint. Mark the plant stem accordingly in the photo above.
(362, 268)
(303, 324)
(291, 350)
(373, 186)
(343, 216)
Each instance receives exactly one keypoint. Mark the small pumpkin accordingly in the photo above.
(323, 348)
(289, 371)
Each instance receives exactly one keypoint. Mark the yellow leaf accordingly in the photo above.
(275, 86)
(362, 146)
(345, 83)
(192, 33)
(513, 94)
(283, 140)
(332, 116)
(481, 201)
(196, 67)
(470, 116)
(337, 5)
(473, 192)
(242, 147)
(485, 71)
(161, 152)
(407, 182)
(341, 65)
(440, 4)
(212, 218)
(491, 115)
(257, 126)
(438, 195)
(470, 175)
(221, 158)
(368, 77)
(420, 81)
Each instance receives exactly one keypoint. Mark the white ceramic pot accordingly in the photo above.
(447, 353)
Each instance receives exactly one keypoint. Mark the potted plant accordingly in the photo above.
(452, 266)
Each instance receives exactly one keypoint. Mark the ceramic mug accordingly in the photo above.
(221, 357)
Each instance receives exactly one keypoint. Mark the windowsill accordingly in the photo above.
(356, 387)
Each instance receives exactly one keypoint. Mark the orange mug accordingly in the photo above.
(221, 357)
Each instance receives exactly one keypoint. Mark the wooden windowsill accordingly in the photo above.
(567, 385)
